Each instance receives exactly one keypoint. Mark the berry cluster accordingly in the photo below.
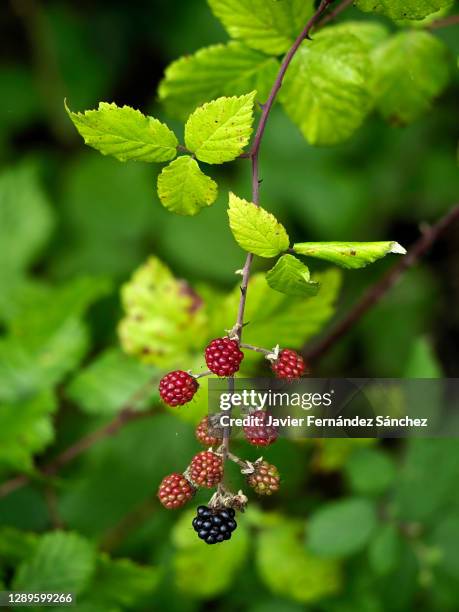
(216, 522)
(214, 526)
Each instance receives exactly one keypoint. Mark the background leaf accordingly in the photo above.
(403, 9)
(410, 70)
(220, 70)
(341, 528)
(324, 91)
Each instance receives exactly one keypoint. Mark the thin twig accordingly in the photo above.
(257, 349)
(379, 289)
(334, 13)
(444, 23)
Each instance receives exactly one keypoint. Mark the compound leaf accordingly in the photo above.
(348, 254)
(402, 9)
(291, 277)
(325, 90)
(218, 131)
(125, 133)
(220, 70)
(184, 189)
(264, 25)
(256, 230)
(410, 70)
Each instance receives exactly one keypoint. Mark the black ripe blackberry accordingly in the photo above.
(214, 526)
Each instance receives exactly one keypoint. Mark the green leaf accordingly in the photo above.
(26, 428)
(125, 133)
(218, 131)
(384, 550)
(370, 471)
(291, 277)
(290, 570)
(266, 26)
(410, 70)
(220, 70)
(341, 528)
(122, 582)
(26, 220)
(60, 562)
(402, 9)
(47, 338)
(325, 90)
(215, 565)
(256, 230)
(348, 254)
(164, 320)
(184, 189)
(108, 383)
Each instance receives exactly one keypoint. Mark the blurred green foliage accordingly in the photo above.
(357, 525)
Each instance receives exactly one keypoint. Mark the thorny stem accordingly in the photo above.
(254, 157)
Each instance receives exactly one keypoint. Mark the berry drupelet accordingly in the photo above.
(174, 491)
(177, 388)
(223, 356)
(214, 526)
(289, 365)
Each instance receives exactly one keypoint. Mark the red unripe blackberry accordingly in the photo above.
(265, 479)
(174, 491)
(259, 433)
(203, 435)
(206, 469)
(223, 356)
(177, 388)
(289, 365)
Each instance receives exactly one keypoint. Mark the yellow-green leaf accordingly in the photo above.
(348, 254)
(218, 131)
(256, 230)
(410, 70)
(289, 570)
(184, 189)
(125, 133)
(230, 69)
(325, 91)
(267, 25)
(291, 277)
